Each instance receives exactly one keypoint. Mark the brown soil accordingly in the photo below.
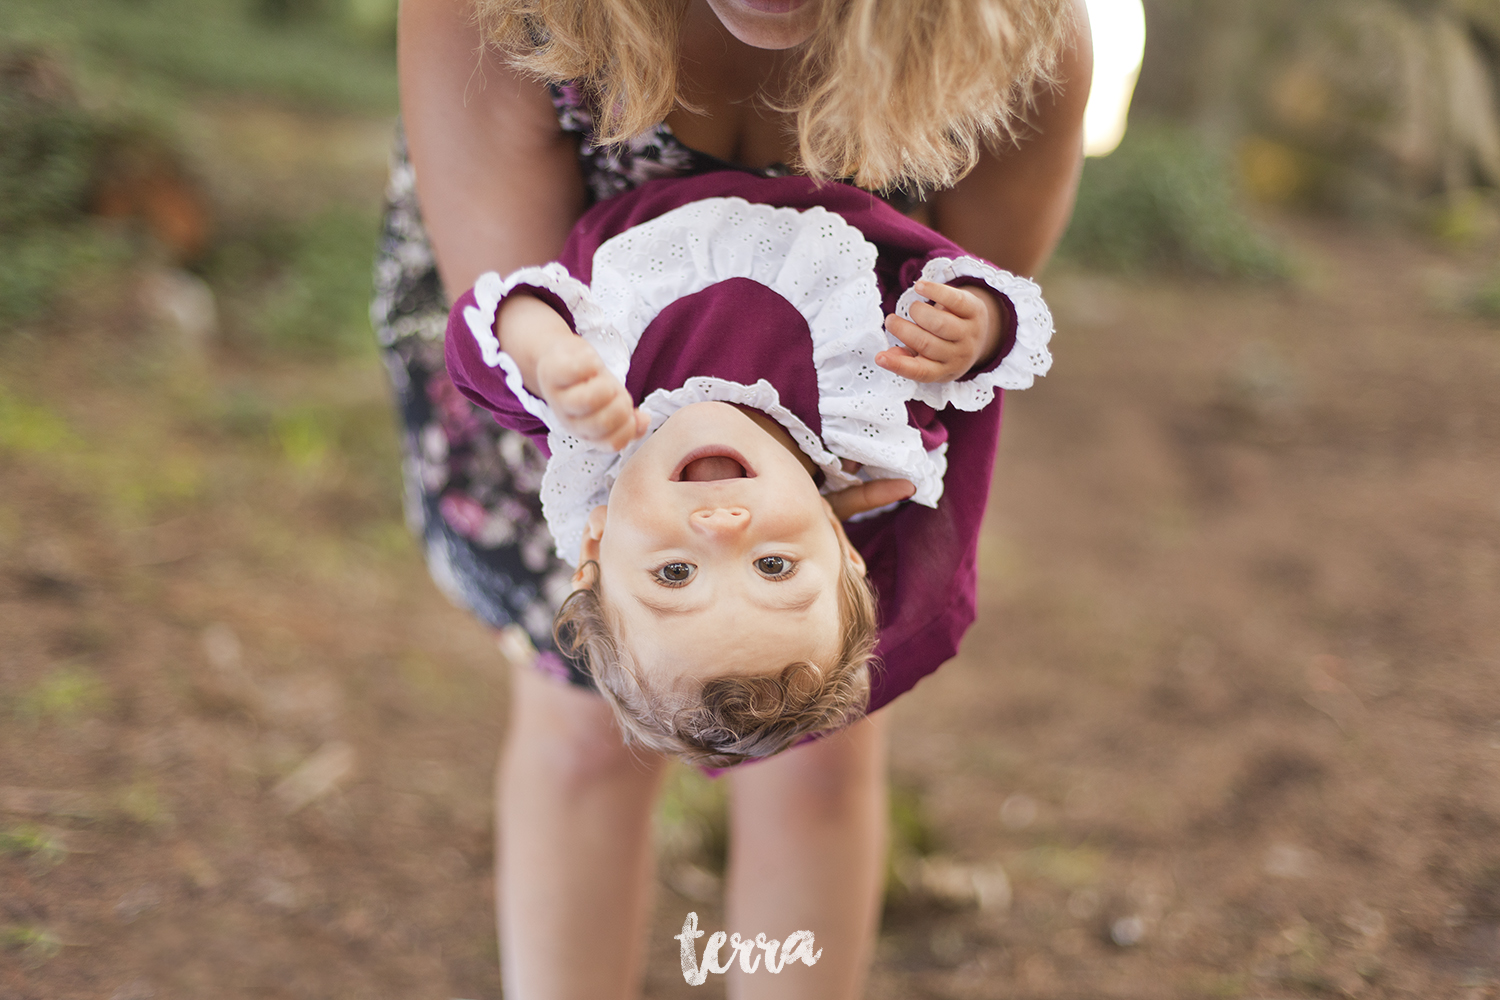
(1229, 723)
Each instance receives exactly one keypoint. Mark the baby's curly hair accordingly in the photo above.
(730, 719)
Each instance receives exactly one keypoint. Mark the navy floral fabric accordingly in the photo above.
(471, 486)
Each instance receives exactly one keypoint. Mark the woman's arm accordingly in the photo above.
(497, 179)
(1013, 207)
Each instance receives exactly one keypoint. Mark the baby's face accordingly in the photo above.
(716, 551)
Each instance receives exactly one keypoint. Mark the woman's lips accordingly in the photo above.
(711, 463)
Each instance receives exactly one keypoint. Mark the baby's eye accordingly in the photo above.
(675, 574)
(775, 567)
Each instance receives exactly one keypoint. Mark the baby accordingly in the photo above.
(712, 370)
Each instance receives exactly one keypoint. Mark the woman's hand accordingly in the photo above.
(945, 338)
(863, 497)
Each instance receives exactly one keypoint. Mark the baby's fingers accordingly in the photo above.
(902, 361)
(921, 339)
(584, 398)
(614, 426)
(943, 324)
(626, 430)
(567, 365)
(957, 301)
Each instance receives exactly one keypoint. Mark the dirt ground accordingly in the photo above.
(1228, 725)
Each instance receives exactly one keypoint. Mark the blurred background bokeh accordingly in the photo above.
(1229, 724)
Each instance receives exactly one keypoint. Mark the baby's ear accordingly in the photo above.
(588, 551)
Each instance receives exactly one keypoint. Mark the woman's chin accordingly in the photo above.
(767, 24)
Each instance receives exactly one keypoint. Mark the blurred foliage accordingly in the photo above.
(295, 283)
(141, 802)
(333, 53)
(49, 152)
(1165, 200)
(1363, 106)
(41, 262)
(42, 848)
(1068, 867)
(692, 818)
(911, 833)
(64, 694)
(323, 298)
(911, 838)
(36, 945)
(24, 427)
(1486, 301)
(302, 284)
(90, 91)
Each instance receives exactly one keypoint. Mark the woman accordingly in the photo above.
(500, 181)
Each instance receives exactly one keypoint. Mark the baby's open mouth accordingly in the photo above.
(710, 463)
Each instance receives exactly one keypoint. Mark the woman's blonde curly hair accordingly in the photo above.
(734, 718)
(893, 93)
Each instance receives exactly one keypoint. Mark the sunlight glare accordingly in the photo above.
(1119, 28)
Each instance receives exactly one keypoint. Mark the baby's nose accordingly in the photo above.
(721, 520)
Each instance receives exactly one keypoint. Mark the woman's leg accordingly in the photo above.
(574, 852)
(807, 852)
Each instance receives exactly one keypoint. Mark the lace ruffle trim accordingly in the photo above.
(1027, 359)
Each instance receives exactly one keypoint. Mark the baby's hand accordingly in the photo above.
(590, 402)
(946, 337)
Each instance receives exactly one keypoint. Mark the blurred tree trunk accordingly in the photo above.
(1342, 101)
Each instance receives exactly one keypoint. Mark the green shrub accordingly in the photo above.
(47, 157)
(301, 284)
(1165, 201)
(49, 151)
(316, 52)
(41, 262)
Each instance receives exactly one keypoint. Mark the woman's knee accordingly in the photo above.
(570, 735)
(827, 779)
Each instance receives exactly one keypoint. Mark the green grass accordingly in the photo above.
(1165, 201)
(32, 842)
(1486, 301)
(64, 694)
(95, 78)
(43, 263)
(692, 817)
(28, 428)
(48, 156)
(47, 152)
(303, 285)
(293, 283)
(333, 55)
(36, 945)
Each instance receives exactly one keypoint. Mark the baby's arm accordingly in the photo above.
(958, 331)
(562, 368)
